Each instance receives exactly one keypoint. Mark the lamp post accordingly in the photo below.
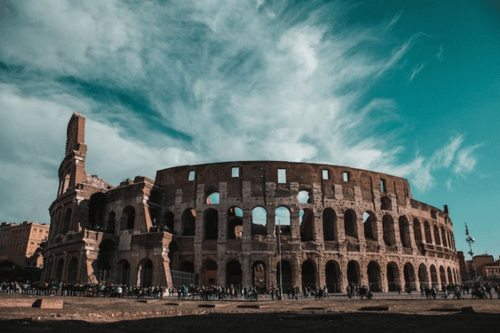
(470, 240)
(281, 264)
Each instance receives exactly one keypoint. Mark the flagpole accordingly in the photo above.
(281, 264)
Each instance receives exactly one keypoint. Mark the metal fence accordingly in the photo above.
(182, 278)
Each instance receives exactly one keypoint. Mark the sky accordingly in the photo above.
(408, 88)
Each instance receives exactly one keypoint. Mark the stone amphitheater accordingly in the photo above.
(246, 223)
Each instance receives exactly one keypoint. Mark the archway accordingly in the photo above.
(233, 274)
(329, 225)
(211, 223)
(97, 211)
(259, 276)
(434, 276)
(350, 224)
(393, 282)
(370, 225)
(210, 273)
(423, 278)
(234, 223)
(308, 274)
(332, 276)
(286, 272)
(282, 220)
(404, 232)
(353, 273)
(188, 221)
(259, 221)
(306, 220)
(107, 250)
(72, 270)
(442, 275)
(146, 273)
(59, 270)
(374, 276)
(123, 271)
(128, 218)
(409, 275)
(450, 276)
(388, 228)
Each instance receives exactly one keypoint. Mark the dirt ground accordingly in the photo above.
(112, 315)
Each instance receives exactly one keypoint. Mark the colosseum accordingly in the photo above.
(248, 223)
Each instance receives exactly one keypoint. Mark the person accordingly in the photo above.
(271, 291)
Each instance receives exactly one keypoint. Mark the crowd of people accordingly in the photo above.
(216, 292)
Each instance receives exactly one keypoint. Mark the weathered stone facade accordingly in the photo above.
(221, 222)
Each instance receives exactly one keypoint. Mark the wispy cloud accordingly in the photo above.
(201, 81)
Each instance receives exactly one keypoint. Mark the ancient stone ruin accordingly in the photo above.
(245, 223)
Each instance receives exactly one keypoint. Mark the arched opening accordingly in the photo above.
(388, 228)
(442, 275)
(59, 270)
(186, 267)
(234, 223)
(304, 197)
(259, 221)
(443, 235)
(450, 276)
(211, 223)
(66, 222)
(146, 273)
(72, 270)
(233, 274)
(428, 237)
(167, 223)
(306, 221)
(393, 282)
(213, 198)
(188, 221)
(370, 225)
(437, 239)
(155, 199)
(353, 274)
(385, 203)
(107, 249)
(173, 248)
(284, 275)
(374, 276)
(210, 273)
(308, 274)
(111, 224)
(123, 272)
(332, 275)
(128, 218)
(97, 211)
(417, 231)
(409, 275)
(350, 224)
(259, 276)
(404, 232)
(434, 276)
(282, 220)
(329, 225)
(423, 278)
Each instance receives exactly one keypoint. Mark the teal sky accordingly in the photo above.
(410, 88)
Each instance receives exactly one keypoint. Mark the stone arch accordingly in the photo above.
(423, 277)
(308, 274)
(168, 222)
(72, 271)
(282, 219)
(211, 224)
(233, 274)
(329, 225)
(353, 273)
(213, 198)
(59, 270)
(123, 272)
(374, 276)
(388, 229)
(409, 276)
(427, 228)
(351, 223)
(107, 250)
(393, 282)
(186, 267)
(145, 273)
(444, 236)
(98, 203)
(188, 221)
(442, 275)
(404, 232)
(285, 273)
(259, 275)
(127, 220)
(332, 276)
(370, 225)
(259, 221)
(385, 203)
(304, 197)
(306, 221)
(417, 231)
(111, 224)
(210, 273)
(155, 199)
(450, 276)
(234, 223)
(67, 221)
(434, 276)
(437, 239)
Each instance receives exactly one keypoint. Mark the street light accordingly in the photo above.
(470, 240)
